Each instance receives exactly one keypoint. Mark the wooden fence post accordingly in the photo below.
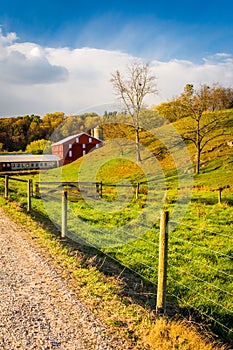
(101, 189)
(6, 186)
(162, 269)
(220, 195)
(37, 190)
(97, 188)
(29, 193)
(137, 190)
(64, 214)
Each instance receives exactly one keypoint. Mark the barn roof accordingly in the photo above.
(14, 158)
(66, 139)
(69, 138)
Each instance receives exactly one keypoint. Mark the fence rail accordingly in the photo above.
(29, 188)
(98, 186)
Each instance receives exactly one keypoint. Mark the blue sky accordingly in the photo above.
(197, 34)
(156, 29)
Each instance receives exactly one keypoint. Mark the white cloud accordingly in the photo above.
(37, 80)
(175, 74)
(7, 39)
(20, 66)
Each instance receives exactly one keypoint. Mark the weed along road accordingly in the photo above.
(37, 309)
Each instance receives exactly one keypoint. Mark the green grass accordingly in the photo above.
(104, 295)
(200, 273)
(200, 254)
(200, 268)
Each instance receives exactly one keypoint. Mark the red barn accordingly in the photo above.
(74, 147)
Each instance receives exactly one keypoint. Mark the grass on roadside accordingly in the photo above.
(107, 294)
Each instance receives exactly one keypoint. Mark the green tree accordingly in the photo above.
(201, 127)
(39, 147)
(172, 110)
(35, 131)
(204, 127)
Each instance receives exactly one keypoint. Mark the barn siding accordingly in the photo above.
(74, 148)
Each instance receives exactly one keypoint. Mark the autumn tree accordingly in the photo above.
(17, 132)
(34, 131)
(39, 147)
(132, 89)
(203, 127)
(221, 98)
(51, 122)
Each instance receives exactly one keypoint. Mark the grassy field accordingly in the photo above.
(200, 248)
(119, 298)
(126, 228)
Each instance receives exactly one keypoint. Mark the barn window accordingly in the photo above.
(77, 140)
(70, 145)
(70, 153)
(84, 146)
(84, 152)
(90, 139)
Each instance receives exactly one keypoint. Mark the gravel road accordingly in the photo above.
(37, 309)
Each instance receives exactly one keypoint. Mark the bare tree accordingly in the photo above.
(132, 90)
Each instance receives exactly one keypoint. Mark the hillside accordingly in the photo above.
(216, 158)
(126, 228)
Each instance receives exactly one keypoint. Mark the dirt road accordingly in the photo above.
(37, 309)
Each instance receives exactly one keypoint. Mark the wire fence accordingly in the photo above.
(200, 259)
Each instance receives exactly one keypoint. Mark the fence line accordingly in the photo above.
(200, 311)
(200, 279)
(125, 265)
(200, 262)
(29, 188)
(197, 293)
(200, 229)
(151, 281)
(202, 247)
(138, 261)
(153, 269)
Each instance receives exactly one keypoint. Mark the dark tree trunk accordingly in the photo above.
(198, 161)
(138, 145)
